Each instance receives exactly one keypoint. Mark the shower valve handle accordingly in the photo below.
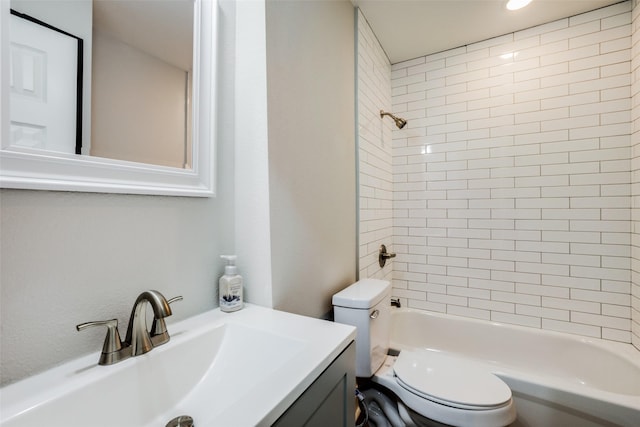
(383, 255)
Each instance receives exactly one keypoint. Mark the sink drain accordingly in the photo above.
(181, 421)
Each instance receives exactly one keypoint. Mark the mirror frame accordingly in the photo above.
(31, 169)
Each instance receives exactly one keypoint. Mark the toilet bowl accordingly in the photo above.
(438, 386)
(447, 389)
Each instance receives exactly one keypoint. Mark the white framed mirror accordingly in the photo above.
(47, 167)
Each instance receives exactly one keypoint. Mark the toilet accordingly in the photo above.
(442, 387)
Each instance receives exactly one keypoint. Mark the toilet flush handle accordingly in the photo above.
(374, 314)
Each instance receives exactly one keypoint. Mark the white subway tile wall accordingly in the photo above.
(514, 181)
(634, 239)
(374, 152)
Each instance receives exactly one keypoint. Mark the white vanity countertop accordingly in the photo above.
(320, 341)
(222, 369)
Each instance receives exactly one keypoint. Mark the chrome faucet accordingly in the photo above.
(139, 339)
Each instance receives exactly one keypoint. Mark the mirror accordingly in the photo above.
(142, 61)
(127, 136)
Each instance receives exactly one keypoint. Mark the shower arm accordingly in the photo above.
(384, 113)
(400, 122)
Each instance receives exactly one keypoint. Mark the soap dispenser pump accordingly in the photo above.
(230, 286)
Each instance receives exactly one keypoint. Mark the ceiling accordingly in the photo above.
(408, 29)
(163, 29)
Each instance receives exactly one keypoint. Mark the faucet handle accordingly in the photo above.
(174, 299)
(159, 334)
(112, 342)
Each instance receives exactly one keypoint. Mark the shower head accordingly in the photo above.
(399, 122)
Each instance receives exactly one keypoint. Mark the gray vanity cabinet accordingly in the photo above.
(330, 400)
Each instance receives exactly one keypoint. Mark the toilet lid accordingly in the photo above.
(450, 380)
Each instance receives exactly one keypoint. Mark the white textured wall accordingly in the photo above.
(635, 178)
(512, 179)
(312, 170)
(375, 186)
(252, 227)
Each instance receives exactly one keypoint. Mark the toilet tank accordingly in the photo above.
(365, 305)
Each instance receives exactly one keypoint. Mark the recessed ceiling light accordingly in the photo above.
(517, 4)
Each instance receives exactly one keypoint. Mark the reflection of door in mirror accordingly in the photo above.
(138, 76)
(141, 81)
(45, 75)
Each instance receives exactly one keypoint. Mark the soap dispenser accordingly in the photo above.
(230, 286)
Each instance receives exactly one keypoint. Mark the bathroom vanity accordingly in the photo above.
(329, 401)
(254, 367)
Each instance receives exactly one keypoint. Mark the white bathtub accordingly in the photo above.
(557, 379)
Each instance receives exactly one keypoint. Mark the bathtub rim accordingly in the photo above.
(625, 350)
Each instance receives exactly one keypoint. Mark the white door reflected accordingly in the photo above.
(43, 80)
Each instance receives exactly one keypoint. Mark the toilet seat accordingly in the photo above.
(446, 401)
(450, 380)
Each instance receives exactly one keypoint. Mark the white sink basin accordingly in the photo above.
(237, 369)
